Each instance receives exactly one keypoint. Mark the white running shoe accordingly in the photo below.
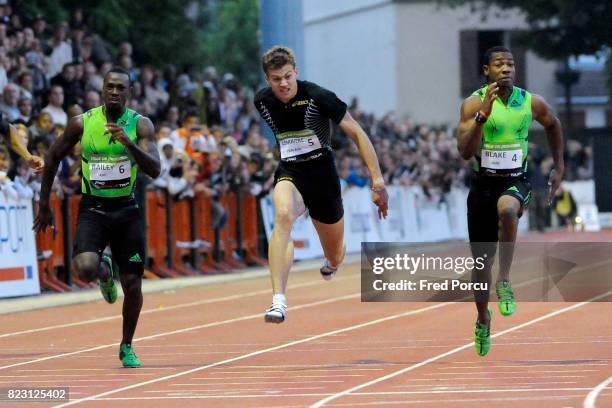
(276, 313)
(327, 271)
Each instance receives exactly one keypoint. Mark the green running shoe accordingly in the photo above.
(128, 357)
(108, 288)
(505, 294)
(482, 336)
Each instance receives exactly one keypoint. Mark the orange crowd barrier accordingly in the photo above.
(157, 240)
(73, 210)
(52, 254)
(237, 237)
(206, 234)
(250, 230)
(181, 236)
(229, 233)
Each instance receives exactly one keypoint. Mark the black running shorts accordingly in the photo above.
(318, 182)
(482, 200)
(117, 222)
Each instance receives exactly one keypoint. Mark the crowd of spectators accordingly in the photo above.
(207, 130)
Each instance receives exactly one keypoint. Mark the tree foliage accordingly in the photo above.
(221, 33)
(558, 28)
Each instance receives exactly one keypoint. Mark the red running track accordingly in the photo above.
(208, 346)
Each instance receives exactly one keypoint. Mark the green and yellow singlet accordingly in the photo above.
(503, 149)
(109, 170)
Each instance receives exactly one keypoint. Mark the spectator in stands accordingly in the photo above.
(163, 130)
(8, 105)
(565, 208)
(172, 169)
(172, 116)
(92, 80)
(25, 80)
(192, 137)
(252, 143)
(6, 185)
(61, 52)
(69, 173)
(214, 187)
(92, 99)
(259, 182)
(25, 110)
(55, 106)
(67, 80)
(25, 182)
(41, 127)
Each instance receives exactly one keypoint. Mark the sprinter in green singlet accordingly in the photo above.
(492, 132)
(108, 213)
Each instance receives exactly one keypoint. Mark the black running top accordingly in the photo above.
(301, 126)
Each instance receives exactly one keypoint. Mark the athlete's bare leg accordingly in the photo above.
(332, 240)
(508, 208)
(289, 205)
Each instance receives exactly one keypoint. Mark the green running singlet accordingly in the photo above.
(109, 170)
(503, 150)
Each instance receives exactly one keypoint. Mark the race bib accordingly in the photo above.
(109, 172)
(297, 143)
(502, 159)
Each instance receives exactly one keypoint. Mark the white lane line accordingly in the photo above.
(185, 330)
(242, 383)
(506, 372)
(302, 370)
(256, 353)
(275, 376)
(516, 372)
(589, 401)
(173, 307)
(324, 401)
(301, 395)
(461, 384)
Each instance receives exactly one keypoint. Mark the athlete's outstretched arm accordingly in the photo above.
(35, 162)
(59, 150)
(149, 163)
(354, 131)
(542, 112)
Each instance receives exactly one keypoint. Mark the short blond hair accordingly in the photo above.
(277, 57)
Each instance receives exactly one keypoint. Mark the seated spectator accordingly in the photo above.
(73, 91)
(192, 137)
(69, 173)
(26, 85)
(252, 143)
(172, 169)
(6, 185)
(25, 111)
(92, 100)
(42, 127)
(25, 182)
(8, 105)
(61, 51)
(55, 106)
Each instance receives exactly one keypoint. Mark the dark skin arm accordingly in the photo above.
(59, 150)
(149, 163)
(469, 132)
(542, 113)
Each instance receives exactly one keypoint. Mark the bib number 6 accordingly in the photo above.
(122, 169)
